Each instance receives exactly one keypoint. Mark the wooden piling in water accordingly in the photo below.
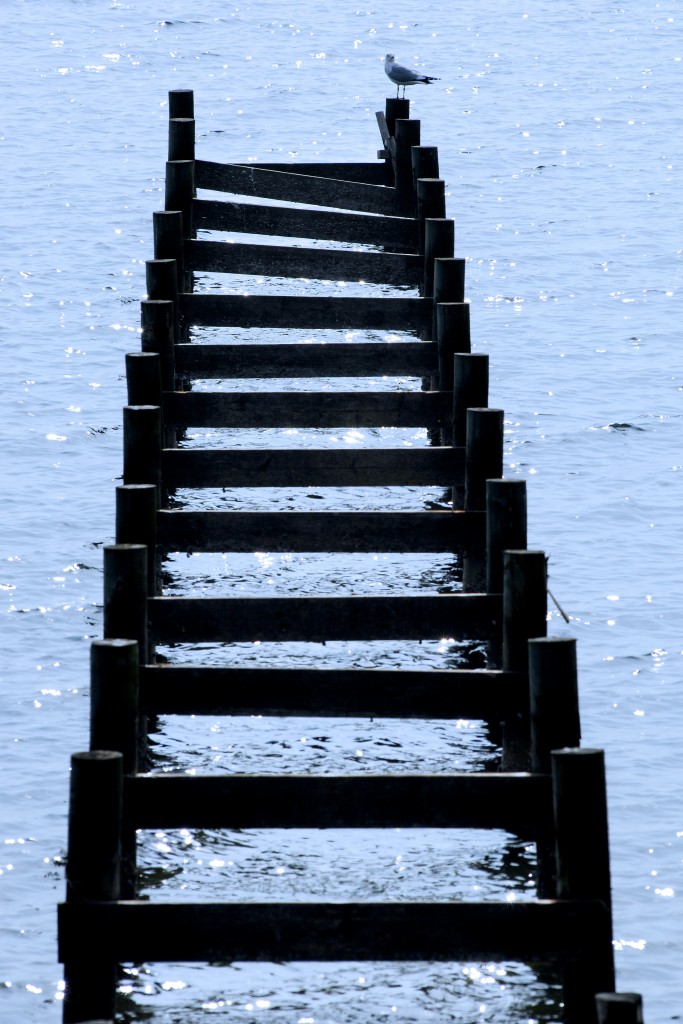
(539, 792)
(92, 875)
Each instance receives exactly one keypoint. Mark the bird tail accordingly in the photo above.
(430, 78)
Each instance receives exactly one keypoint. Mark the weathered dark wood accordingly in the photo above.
(114, 699)
(168, 241)
(161, 278)
(298, 188)
(92, 873)
(506, 527)
(136, 523)
(181, 138)
(525, 605)
(583, 870)
(553, 698)
(319, 531)
(320, 619)
(452, 336)
(465, 800)
(337, 359)
(619, 1008)
(439, 244)
(297, 261)
(291, 222)
(142, 444)
(395, 109)
(329, 693)
(449, 284)
(180, 103)
(125, 594)
(179, 191)
(309, 408)
(388, 153)
(425, 162)
(366, 172)
(484, 460)
(278, 467)
(139, 931)
(307, 311)
(468, 376)
(159, 325)
(430, 203)
(143, 378)
(407, 135)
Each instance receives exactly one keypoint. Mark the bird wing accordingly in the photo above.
(397, 73)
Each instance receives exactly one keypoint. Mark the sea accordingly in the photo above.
(560, 136)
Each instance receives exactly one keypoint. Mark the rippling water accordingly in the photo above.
(559, 136)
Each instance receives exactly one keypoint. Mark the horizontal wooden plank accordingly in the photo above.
(325, 312)
(319, 619)
(306, 467)
(399, 233)
(338, 359)
(142, 931)
(292, 261)
(432, 531)
(294, 188)
(513, 802)
(331, 693)
(370, 172)
(308, 409)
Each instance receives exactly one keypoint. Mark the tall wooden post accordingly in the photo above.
(407, 134)
(583, 871)
(143, 378)
(181, 138)
(136, 523)
(452, 336)
(158, 335)
(180, 103)
(524, 617)
(142, 445)
(448, 285)
(439, 244)
(92, 875)
(483, 459)
(169, 241)
(180, 191)
(125, 594)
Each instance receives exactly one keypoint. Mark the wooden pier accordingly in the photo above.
(395, 208)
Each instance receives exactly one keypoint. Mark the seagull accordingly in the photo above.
(401, 76)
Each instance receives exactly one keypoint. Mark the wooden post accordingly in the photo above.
(452, 335)
(115, 725)
(431, 204)
(158, 335)
(143, 378)
(439, 244)
(169, 242)
(554, 723)
(407, 133)
(396, 110)
(469, 380)
(484, 454)
(114, 699)
(181, 138)
(136, 523)
(583, 871)
(425, 160)
(125, 594)
(449, 284)
(506, 526)
(554, 698)
(180, 191)
(92, 874)
(142, 445)
(524, 618)
(483, 459)
(619, 1008)
(180, 103)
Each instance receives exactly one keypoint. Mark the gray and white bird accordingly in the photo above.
(401, 76)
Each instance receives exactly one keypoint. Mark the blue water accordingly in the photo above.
(559, 134)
